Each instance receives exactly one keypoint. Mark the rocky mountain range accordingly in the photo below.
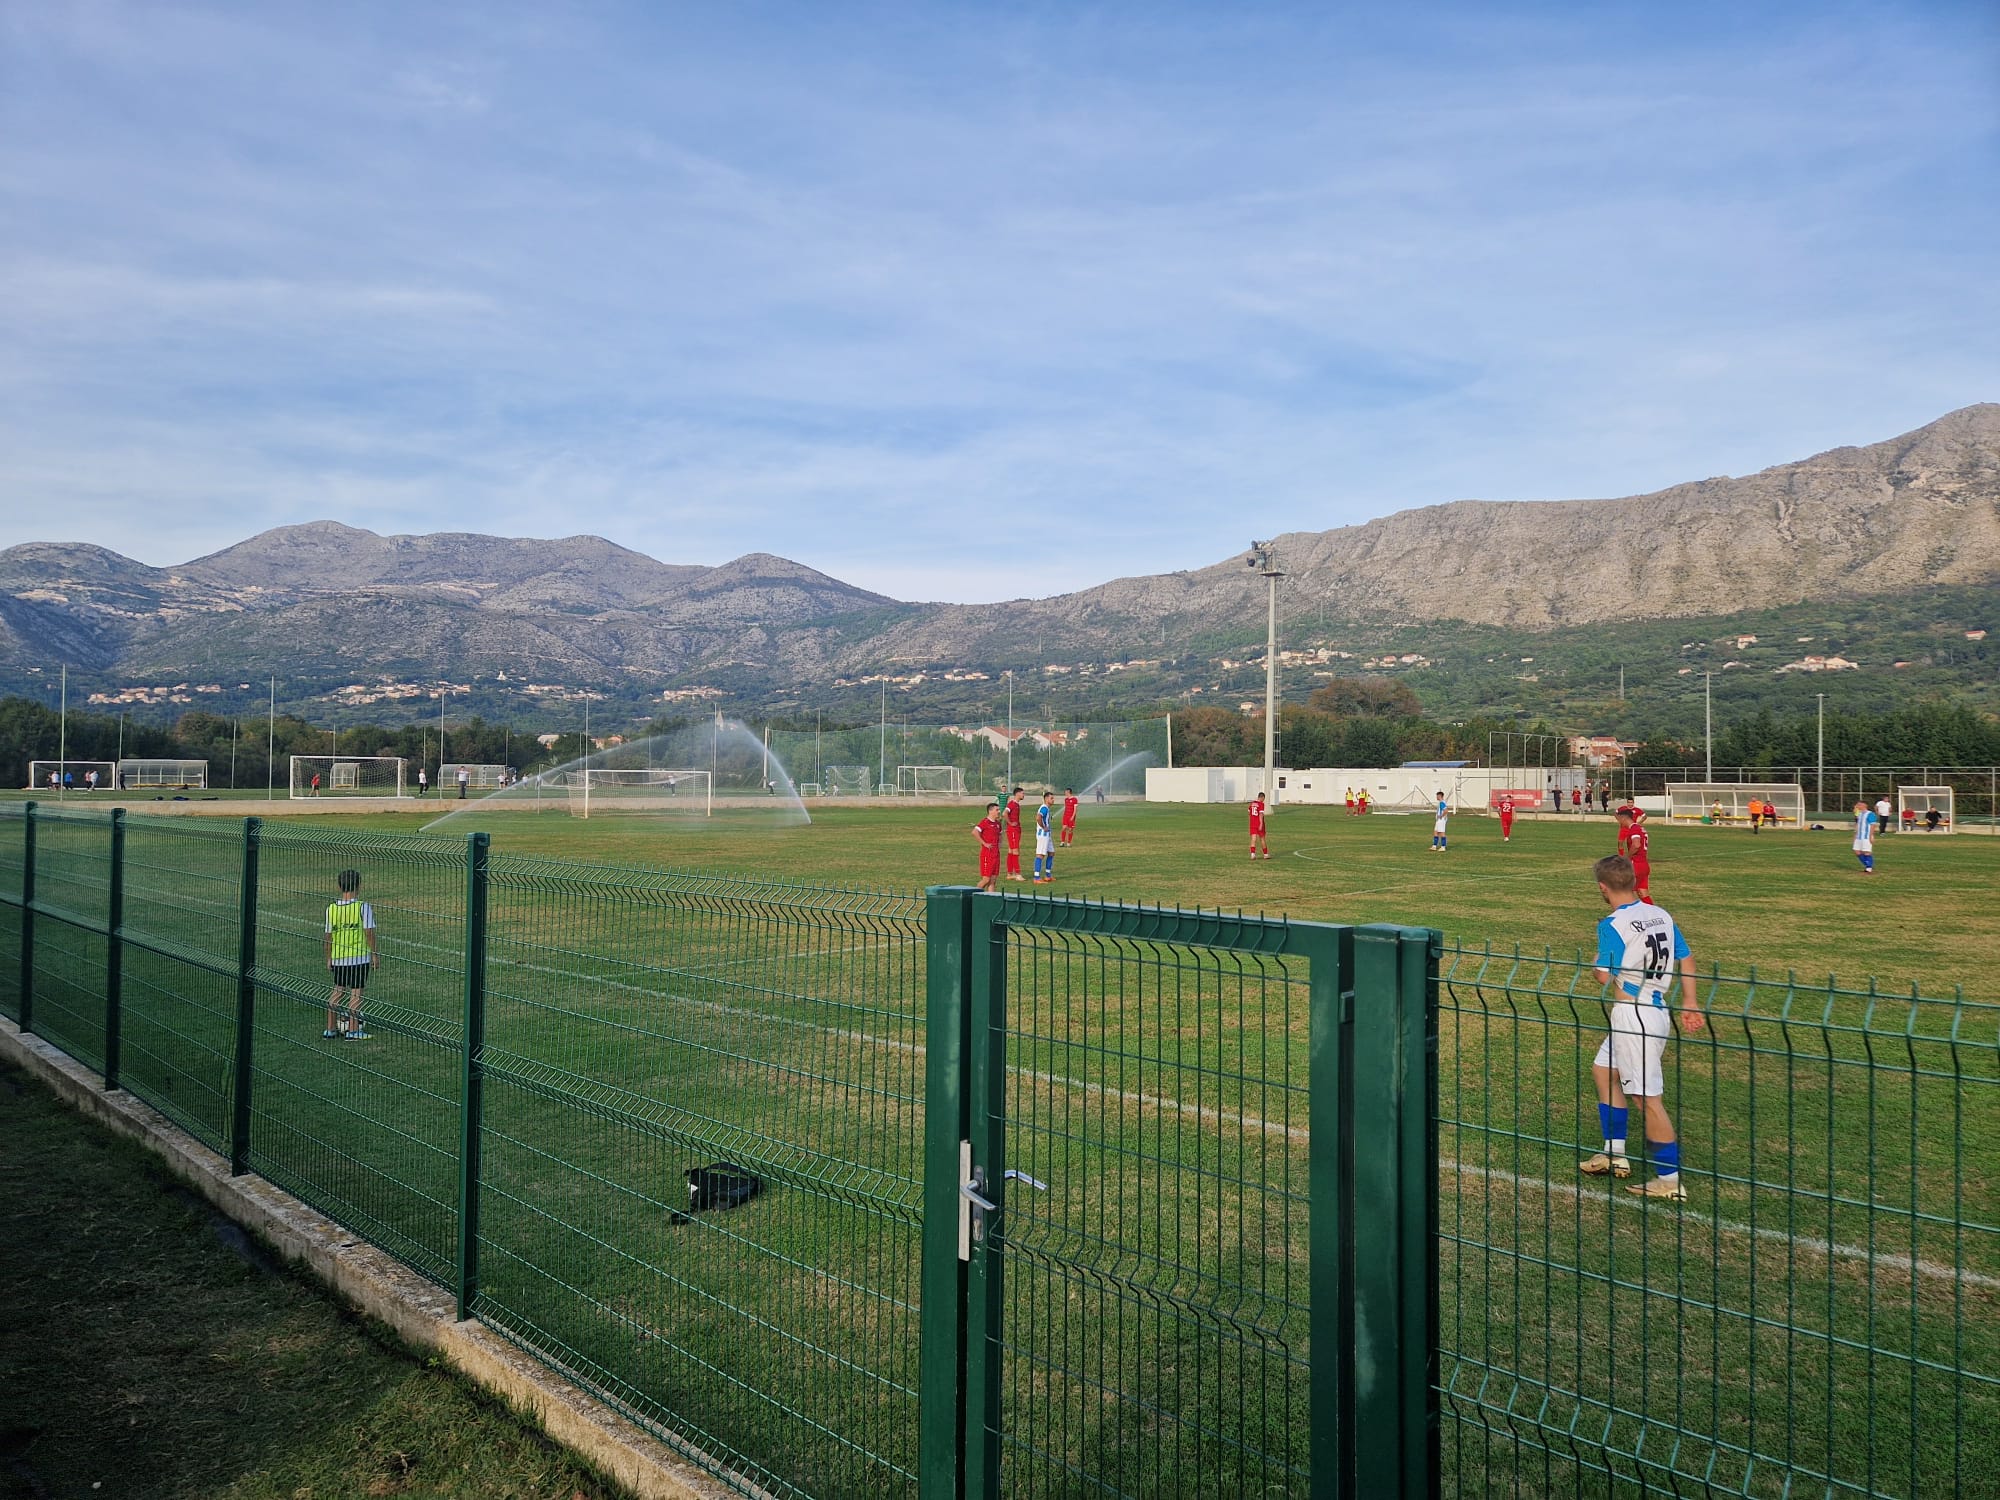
(327, 604)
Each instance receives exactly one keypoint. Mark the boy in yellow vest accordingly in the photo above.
(350, 954)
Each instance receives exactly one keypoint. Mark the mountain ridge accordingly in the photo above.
(322, 599)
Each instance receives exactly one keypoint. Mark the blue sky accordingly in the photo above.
(966, 302)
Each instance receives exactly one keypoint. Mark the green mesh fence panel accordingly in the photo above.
(13, 850)
(1154, 1328)
(365, 1131)
(639, 1026)
(1817, 1318)
(183, 893)
(72, 894)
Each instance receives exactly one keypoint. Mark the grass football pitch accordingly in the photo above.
(1811, 1286)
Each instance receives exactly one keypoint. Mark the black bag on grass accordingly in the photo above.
(721, 1184)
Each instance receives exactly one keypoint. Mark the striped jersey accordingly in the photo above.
(1639, 944)
(348, 923)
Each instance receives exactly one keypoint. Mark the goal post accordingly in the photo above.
(1915, 804)
(72, 775)
(352, 777)
(847, 781)
(930, 781)
(1728, 802)
(180, 775)
(595, 791)
(476, 776)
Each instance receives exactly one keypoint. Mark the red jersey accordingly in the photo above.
(1069, 812)
(1013, 825)
(1256, 817)
(1632, 844)
(989, 846)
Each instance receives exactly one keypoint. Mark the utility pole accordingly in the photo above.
(62, 738)
(1010, 731)
(1260, 558)
(1819, 776)
(1707, 730)
(271, 746)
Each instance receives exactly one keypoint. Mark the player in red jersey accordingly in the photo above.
(1257, 827)
(1014, 835)
(1506, 819)
(1632, 844)
(987, 831)
(1069, 816)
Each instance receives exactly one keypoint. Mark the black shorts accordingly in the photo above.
(350, 976)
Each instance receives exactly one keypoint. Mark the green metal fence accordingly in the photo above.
(1061, 1198)
(1819, 1318)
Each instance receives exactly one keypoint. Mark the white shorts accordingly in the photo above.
(1043, 843)
(1864, 846)
(1637, 1047)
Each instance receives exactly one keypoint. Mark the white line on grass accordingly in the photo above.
(1809, 1243)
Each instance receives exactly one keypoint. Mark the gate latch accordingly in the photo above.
(973, 1204)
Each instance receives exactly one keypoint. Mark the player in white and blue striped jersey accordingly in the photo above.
(1864, 837)
(1640, 952)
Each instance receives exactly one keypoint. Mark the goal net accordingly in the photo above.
(477, 777)
(181, 775)
(72, 775)
(1728, 803)
(1924, 809)
(930, 781)
(595, 791)
(349, 776)
(847, 781)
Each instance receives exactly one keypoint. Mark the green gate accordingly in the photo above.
(1181, 1203)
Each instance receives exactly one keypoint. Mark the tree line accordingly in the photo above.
(1349, 722)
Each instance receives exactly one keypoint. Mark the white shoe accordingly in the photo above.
(1602, 1165)
(1660, 1187)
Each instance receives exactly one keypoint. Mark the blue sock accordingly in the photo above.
(1666, 1157)
(1604, 1114)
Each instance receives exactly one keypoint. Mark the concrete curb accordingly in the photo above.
(375, 1284)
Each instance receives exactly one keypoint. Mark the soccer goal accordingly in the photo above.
(1916, 804)
(1728, 802)
(475, 776)
(848, 781)
(930, 781)
(348, 776)
(598, 790)
(72, 775)
(180, 775)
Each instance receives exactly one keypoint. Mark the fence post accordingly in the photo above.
(941, 1341)
(1393, 1092)
(114, 953)
(1330, 1009)
(28, 920)
(472, 1071)
(246, 999)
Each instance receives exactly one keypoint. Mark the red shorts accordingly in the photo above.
(1014, 841)
(989, 862)
(1644, 870)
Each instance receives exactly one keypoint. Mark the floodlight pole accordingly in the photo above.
(882, 742)
(1819, 776)
(1010, 731)
(271, 747)
(1707, 731)
(1260, 558)
(62, 739)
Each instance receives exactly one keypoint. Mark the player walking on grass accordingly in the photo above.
(1506, 819)
(1257, 836)
(1014, 835)
(1639, 950)
(1045, 840)
(1864, 837)
(1632, 846)
(350, 954)
(1438, 839)
(1069, 816)
(987, 831)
